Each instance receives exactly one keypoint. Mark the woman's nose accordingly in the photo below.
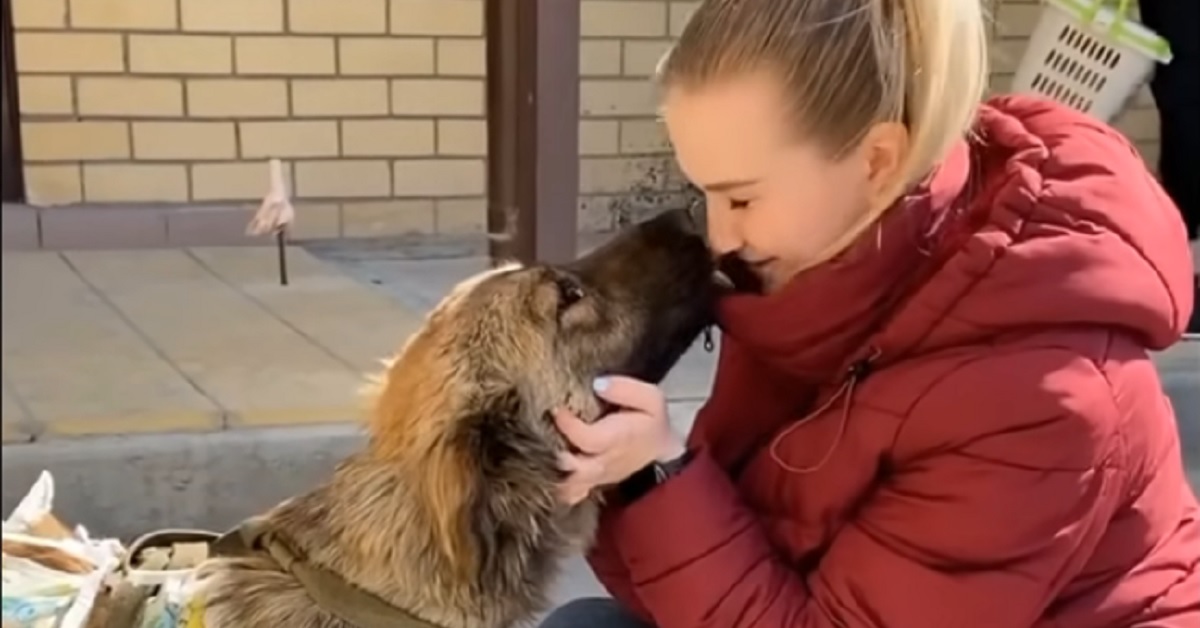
(722, 230)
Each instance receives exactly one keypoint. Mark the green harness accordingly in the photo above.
(331, 592)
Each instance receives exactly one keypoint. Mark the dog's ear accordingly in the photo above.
(493, 465)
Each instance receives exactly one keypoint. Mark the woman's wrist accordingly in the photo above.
(673, 447)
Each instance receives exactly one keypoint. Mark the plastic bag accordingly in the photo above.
(52, 575)
(174, 606)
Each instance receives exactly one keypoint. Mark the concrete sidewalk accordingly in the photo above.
(184, 340)
(196, 340)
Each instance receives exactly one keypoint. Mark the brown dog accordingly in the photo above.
(450, 514)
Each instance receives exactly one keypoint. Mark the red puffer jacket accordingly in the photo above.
(955, 424)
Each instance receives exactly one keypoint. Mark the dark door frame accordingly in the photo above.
(13, 182)
(532, 128)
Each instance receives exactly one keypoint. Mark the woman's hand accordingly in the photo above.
(619, 444)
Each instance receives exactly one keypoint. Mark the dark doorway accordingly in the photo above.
(10, 151)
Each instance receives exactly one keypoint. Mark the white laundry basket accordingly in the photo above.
(1089, 56)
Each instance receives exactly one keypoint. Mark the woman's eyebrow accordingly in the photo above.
(727, 186)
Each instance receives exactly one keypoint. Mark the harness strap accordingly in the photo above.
(331, 592)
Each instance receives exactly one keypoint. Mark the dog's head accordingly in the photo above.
(465, 405)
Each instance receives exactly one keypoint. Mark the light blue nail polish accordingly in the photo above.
(600, 384)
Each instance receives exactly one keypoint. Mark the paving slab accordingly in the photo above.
(255, 367)
(78, 366)
(358, 325)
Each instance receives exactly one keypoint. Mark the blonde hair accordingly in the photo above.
(849, 64)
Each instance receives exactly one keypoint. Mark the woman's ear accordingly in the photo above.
(884, 151)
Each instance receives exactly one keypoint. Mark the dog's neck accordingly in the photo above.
(362, 525)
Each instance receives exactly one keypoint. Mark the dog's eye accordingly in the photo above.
(569, 292)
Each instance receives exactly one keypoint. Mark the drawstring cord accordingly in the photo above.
(845, 394)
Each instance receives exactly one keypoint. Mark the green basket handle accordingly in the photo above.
(1121, 14)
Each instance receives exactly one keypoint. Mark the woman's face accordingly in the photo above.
(778, 203)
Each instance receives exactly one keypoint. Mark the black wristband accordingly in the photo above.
(650, 476)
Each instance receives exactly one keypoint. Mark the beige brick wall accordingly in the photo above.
(375, 105)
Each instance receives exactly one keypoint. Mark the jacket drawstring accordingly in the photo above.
(845, 393)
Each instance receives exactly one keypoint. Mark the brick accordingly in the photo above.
(1150, 150)
(180, 54)
(458, 216)
(128, 15)
(75, 228)
(598, 137)
(135, 183)
(288, 138)
(644, 136)
(232, 16)
(617, 18)
(130, 96)
(620, 175)
(437, 97)
(74, 140)
(340, 97)
(600, 57)
(1005, 54)
(45, 94)
(237, 98)
(462, 138)
(615, 97)
(210, 225)
(387, 138)
(39, 13)
(69, 52)
(284, 55)
(385, 56)
(1139, 125)
(437, 17)
(461, 57)
(345, 178)
(343, 16)
(365, 219)
(233, 181)
(1000, 83)
(1016, 20)
(184, 140)
(316, 220)
(438, 177)
(53, 184)
(1144, 98)
(641, 57)
(20, 230)
(678, 16)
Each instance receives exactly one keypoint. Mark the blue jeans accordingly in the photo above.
(592, 612)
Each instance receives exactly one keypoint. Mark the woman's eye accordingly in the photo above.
(569, 292)
(736, 204)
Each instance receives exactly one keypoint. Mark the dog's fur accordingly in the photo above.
(451, 511)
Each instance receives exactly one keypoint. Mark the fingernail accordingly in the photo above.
(600, 384)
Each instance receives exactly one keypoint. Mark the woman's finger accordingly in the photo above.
(630, 393)
(587, 437)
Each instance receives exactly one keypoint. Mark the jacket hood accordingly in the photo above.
(1046, 217)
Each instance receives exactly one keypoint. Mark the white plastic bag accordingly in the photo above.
(36, 595)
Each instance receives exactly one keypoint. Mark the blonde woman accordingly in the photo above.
(934, 405)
